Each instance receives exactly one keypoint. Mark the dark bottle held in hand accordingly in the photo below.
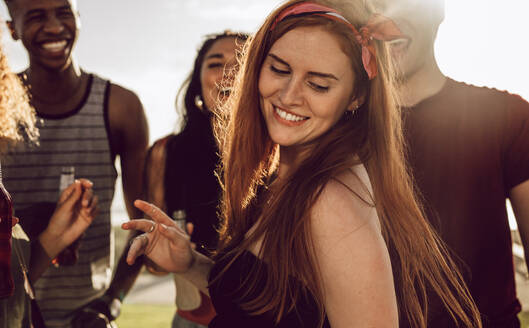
(70, 254)
(6, 218)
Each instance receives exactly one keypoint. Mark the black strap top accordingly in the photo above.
(226, 297)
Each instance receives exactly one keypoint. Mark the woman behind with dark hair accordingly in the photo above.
(180, 168)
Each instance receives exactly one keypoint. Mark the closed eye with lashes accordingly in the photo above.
(278, 71)
(319, 88)
(215, 65)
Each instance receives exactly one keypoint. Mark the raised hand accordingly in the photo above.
(75, 211)
(163, 241)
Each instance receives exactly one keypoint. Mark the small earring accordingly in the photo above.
(199, 102)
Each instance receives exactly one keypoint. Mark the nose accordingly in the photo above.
(291, 93)
(53, 25)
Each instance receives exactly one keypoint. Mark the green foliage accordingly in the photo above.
(142, 315)
(524, 318)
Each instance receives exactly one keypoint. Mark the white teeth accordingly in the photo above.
(288, 116)
(54, 46)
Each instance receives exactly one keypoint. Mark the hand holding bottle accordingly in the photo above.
(163, 241)
(75, 211)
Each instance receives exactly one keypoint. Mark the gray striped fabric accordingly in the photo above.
(32, 174)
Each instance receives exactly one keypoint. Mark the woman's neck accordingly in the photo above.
(290, 158)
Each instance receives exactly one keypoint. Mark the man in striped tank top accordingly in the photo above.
(85, 122)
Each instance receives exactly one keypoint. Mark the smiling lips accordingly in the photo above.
(54, 46)
(289, 118)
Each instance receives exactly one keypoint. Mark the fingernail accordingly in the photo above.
(163, 226)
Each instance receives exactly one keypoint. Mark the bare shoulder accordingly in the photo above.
(122, 100)
(351, 254)
(158, 151)
(128, 124)
(346, 202)
(356, 180)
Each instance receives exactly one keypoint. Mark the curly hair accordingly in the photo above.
(16, 114)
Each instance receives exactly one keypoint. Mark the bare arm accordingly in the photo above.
(155, 174)
(353, 258)
(519, 197)
(129, 140)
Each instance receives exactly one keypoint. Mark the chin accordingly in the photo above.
(58, 67)
(282, 141)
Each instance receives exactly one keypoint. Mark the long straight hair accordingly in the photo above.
(420, 262)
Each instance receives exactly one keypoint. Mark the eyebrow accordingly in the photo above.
(40, 11)
(34, 11)
(219, 55)
(66, 7)
(318, 74)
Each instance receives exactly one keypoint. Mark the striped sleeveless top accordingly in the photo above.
(80, 139)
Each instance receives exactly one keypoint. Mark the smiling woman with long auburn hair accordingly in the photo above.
(321, 226)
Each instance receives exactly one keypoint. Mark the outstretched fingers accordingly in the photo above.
(139, 244)
(154, 212)
(171, 233)
(144, 225)
(137, 248)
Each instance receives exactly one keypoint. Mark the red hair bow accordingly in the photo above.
(378, 27)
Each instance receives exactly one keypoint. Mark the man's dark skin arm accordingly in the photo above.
(129, 140)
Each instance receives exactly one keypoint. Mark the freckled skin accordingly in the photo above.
(287, 82)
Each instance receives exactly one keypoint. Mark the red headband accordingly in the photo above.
(377, 27)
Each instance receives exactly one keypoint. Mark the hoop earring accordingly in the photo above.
(199, 102)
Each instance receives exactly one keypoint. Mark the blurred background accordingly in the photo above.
(149, 47)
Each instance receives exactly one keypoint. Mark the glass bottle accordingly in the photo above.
(6, 218)
(70, 254)
(67, 177)
(179, 216)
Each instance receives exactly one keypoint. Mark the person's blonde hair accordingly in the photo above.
(420, 262)
(17, 116)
